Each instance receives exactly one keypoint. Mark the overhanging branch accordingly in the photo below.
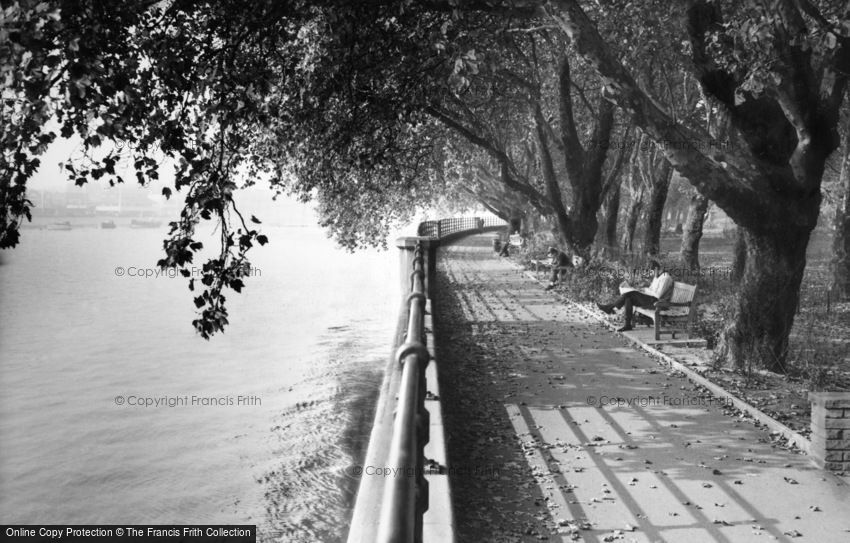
(510, 175)
(727, 178)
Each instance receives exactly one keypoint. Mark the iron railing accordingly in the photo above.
(447, 227)
(406, 497)
(391, 511)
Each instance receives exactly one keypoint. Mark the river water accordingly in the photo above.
(264, 420)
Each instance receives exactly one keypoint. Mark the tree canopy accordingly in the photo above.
(364, 107)
(294, 94)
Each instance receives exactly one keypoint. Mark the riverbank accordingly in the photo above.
(558, 430)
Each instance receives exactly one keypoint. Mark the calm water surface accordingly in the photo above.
(306, 347)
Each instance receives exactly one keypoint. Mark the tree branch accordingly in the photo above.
(608, 182)
(552, 188)
(573, 150)
(595, 157)
(726, 178)
(510, 176)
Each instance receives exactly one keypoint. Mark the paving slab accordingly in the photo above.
(561, 431)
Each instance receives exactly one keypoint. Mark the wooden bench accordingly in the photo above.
(546, 266)
(677, 315)
(514, 241)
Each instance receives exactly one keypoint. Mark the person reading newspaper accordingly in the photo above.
(661, 288)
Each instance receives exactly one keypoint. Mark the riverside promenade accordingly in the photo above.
(558, 430)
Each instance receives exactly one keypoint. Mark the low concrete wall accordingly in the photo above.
(438, 524)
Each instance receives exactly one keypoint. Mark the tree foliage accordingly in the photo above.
(230, 96)
(357, 105)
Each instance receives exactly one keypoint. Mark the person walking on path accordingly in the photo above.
(559, 262)
(661, 288)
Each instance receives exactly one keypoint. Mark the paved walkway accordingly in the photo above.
(559, 431)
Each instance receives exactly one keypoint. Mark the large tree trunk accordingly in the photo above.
(531, 222)
(587, 190)
(692, 233)
(632, 216)
(767, 299)
(583, 167)
(769, 181)
(612, 215)
(655, 208)
(553, 190)
(739, 256)
(841, 241)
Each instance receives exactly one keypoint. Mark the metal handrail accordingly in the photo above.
(406, 495)
(391, 511)
(446, 227)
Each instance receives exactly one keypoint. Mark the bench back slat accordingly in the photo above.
(683, 293)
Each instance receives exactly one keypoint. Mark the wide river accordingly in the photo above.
(256, 426)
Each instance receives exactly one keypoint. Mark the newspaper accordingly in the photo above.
(626, 287)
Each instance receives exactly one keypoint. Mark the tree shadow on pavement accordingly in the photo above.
(557, 430)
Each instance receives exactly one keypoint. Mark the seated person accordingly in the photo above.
(514, 241)
(661, 288)
(558, 260)
(523, 241)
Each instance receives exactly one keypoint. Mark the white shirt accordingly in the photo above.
(660, 285)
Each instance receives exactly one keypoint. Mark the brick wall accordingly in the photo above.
(831, 430)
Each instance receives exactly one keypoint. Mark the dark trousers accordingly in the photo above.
(556, 272)
(633, 299)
